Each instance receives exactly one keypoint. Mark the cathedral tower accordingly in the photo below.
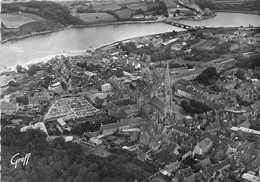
(168, 90)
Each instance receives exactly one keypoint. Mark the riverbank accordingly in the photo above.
(79, 26)
(237, 11)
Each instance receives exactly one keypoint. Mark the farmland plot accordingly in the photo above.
(105, 7)
(15, 20)
(96, 17)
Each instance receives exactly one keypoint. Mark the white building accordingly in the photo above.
(250, 177)
(183, 93)
(56, 87)
(107, 87)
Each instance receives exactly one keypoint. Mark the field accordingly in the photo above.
(124, 13)
(124, 2)
(204, 44)
(96, 17)
(171, 4)
(105, 7)
(136, 6)
(15, 20)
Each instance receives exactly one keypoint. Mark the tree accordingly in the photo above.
(19, 69)
(210, 71)
(23, 99)
(240, 74)
(158, 56)
(139, 11)
(13, 84)
(177, 11)
(203, 78)
(163, 7)
(33, 69)
(119, 73)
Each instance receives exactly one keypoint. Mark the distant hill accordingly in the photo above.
(51, 11)
(234, 5)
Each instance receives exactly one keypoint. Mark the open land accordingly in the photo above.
(96, 17)
(15, 20)
(205, 44)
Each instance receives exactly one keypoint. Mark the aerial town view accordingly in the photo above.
(130, 90)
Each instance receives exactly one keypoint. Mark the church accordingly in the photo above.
(161, 104)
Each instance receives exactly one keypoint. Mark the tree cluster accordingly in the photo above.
(86, 127)
(33, 69)
(193, 107)
(208, 55)
(13, 84)
(54, 11)
(249, 62)
(23, 99)
(240, 74)
(19, 69)
(59, 161)
(207, 74)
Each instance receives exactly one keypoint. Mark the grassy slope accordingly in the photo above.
(14, 20)
(30, 27)
(96, 17)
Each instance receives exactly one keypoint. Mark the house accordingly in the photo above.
(63, 125)
(181, 91)
(95, 141)
(90, 74)
(138, 16)
(205, 162)
(203, 147)
(181, 130)
(107, 87)
(215, 126)
(170, 41)
(230, 85)
(16, 121)
(173, 148)
(9, 108)
(111, 128)
(56, 87)
(172, 167)
(249, 177)
(221, 165)
(68, 138)
(154, 145)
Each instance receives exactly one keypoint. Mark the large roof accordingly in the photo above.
(119, 124)
(158, 103)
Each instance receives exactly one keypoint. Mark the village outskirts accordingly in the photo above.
(184, 103)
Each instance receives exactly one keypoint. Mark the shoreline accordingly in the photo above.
(94, 25)
(80, 26)
(237, 11)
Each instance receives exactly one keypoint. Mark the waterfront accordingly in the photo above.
(224, 19)
(73, 41)
(78, 40)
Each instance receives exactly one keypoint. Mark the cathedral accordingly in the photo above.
(161, 103)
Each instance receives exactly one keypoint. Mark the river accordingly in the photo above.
(78, 40)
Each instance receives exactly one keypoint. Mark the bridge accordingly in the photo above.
(178, 24)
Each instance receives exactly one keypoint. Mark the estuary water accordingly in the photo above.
(78, 40)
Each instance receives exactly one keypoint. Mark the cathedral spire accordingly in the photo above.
(168, 90)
